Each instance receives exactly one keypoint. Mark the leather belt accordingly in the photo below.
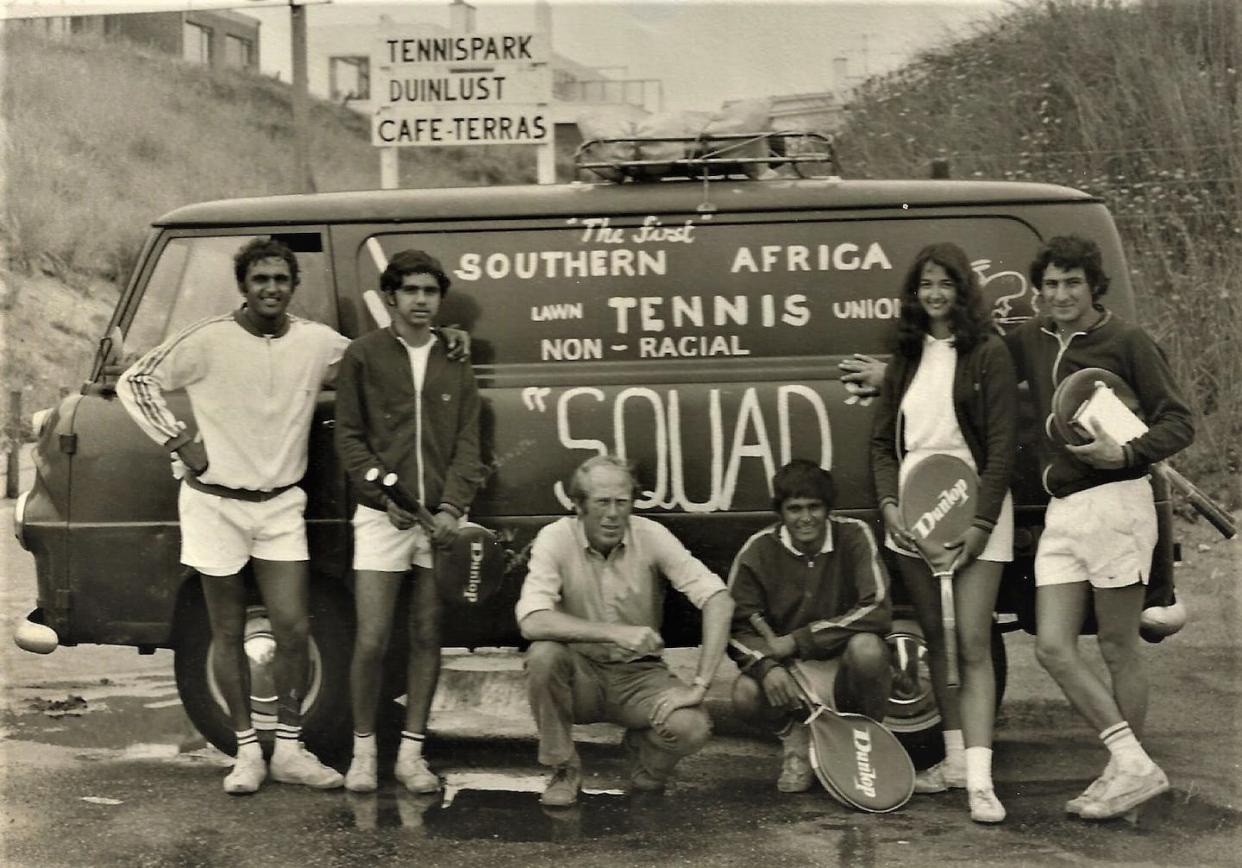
(246, 494)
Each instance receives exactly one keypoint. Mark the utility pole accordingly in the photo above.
(301, 97)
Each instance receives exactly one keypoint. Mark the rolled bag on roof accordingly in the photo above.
(634, 125)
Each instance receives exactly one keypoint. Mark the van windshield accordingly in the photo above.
(193, 279)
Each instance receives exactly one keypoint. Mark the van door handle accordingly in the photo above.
(328, 423)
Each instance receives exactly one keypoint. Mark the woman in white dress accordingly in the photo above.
(950, 388)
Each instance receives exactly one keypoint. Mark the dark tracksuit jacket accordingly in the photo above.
(430, 441)
(1126, 350)
(985, 402)
(821, 600)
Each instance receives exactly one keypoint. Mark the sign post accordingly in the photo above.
(460, 88)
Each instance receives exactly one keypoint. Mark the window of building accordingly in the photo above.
(349, 78)
(197, 43)
(238, 51)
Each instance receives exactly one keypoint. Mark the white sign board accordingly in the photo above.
(454, 125)
(461, 89)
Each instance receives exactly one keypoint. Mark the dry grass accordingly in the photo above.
(1137, 103)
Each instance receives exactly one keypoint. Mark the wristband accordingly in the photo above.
(450, 509)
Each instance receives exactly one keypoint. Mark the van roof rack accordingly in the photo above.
(808, 154)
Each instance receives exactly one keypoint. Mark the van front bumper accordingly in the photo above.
(34, 635)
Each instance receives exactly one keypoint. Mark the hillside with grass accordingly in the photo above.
(1137, 103)
(100, 138)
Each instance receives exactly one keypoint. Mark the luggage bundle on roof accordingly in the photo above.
(627, 144)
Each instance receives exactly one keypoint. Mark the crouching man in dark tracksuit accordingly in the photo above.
(818, 581)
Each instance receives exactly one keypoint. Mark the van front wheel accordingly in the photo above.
(325, 708)
(913, 715)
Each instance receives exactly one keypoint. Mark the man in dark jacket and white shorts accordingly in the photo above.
(1100, 528)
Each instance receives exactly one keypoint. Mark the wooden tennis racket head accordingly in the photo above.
(1075, 390)
(471, 570)
(938, 500)
(859, 762)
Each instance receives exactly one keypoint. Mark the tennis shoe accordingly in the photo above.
(413, 771)
(362, 777)
(296, 765)
(562, 789)
(248, 773)
(1123, 791)
(940, 777)
(796, 776)
(984, 806)
(1075, 805)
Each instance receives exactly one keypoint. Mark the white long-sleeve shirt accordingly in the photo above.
(253, 395)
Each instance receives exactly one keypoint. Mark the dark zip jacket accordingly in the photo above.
(431, 443)
(985, 402)
(1118, 346)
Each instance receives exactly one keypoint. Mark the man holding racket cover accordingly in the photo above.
(591, 606)
(403, 406)
(1100, 528)
(950, 389)
(818, 581)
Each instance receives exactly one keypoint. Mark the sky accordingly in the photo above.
(704, 51)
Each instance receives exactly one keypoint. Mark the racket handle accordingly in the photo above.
(762, 627)
(1203, 504)
(948, 620)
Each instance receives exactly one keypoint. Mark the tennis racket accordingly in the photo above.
(467, 571)
(1099, 394)
(937, 504)
(860, 763)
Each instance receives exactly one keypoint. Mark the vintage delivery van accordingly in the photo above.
(691, 325)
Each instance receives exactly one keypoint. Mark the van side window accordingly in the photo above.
(193, 279)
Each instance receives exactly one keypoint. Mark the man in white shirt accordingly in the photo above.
(252, 377)
(591, 606)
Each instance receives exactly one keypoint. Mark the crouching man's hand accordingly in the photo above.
(682, 696)
(779, 688)
(638, 640)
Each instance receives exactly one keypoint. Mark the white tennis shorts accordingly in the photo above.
(1103, 535)
(219, 534)
(378, 545)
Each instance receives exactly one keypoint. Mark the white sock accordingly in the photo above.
(979, 768)
(248, 742)
(287, 737)
(364, 744)
(954, 747)
(1125, 748)
(411, 744)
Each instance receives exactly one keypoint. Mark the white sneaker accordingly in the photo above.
(940, 777)
(1123, 791)
(1075, 805)
(296, 765)
(415, 774)
(985, 807)
(361, 777)
(248, 772)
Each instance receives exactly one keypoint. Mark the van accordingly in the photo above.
(692, 325)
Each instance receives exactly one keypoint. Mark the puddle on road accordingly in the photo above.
(502, 807)
(121, 723)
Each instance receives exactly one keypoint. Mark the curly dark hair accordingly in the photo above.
(263, 247)
(1068, 252)
(802, 477)
(412, 262)
(967, 320)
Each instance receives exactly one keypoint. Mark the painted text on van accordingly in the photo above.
(655, 313)
(621, 262)
(818, 257)
(642, 415)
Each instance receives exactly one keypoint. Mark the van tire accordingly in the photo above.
(326, 717)
(912, 720)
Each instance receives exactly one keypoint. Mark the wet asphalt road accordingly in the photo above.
(101, 767)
